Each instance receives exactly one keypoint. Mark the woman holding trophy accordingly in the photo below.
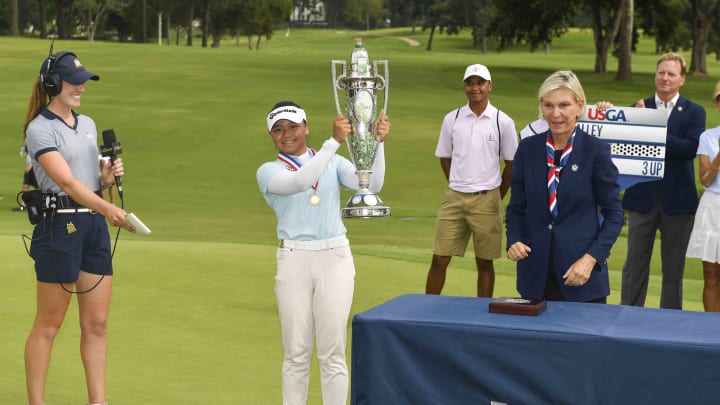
(315, 275)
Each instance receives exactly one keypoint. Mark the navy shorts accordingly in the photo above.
(64, 244)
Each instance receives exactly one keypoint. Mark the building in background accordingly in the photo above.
(311, 16)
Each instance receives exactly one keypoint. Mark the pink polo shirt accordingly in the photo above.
(476, 148)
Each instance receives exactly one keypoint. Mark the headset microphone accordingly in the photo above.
(111, 149)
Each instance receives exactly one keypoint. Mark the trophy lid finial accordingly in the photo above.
(358, 42)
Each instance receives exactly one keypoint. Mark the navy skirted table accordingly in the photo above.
(427, 349)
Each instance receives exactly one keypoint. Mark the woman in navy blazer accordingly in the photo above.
(564, 213)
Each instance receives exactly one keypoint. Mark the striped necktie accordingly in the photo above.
(553, 175)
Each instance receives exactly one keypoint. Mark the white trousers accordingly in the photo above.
(314, 291)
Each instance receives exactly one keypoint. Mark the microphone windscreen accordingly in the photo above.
(109, 136)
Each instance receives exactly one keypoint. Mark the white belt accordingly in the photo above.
(321, 244)
(74, 211)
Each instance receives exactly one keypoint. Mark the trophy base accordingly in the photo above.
(365, 205)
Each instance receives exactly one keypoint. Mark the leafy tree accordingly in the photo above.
(334, 12)
(42, 11)
(714, 39)
(189, 17)
(224, 18)
(18, 15)
(667, 22)
(436, 15)
(176, 12)
(531, 22)
(363, 13)
(130, 17)
(703, 12)
(143, 21)
(162, 9)
(401, 12)
(480, 24)
(206, 22)
(4, 17)
(262, 17)
(14, 15)
(93, 13)
(127, 20)
(449, 16)
(606, 16)
(407, 12)
(624, 71)
(270, 14)
(64, 13)
(246, 24)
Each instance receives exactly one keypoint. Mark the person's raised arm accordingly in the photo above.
(290, 182)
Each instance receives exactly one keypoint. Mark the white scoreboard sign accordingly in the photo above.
(636, 137)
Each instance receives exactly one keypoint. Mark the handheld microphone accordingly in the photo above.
(111, 149)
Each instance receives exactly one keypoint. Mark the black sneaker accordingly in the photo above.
(19, 208)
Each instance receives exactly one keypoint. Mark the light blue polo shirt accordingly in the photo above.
(297, 219)
(77, 145)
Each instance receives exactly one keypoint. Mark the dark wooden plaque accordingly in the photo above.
(517, 306)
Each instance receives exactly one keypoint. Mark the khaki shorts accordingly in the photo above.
(462, 214)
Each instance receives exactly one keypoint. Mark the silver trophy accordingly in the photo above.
(361, 89)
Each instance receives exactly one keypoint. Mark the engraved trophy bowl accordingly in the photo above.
(361, 89)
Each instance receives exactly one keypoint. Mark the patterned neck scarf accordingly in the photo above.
(553, 175)
(294, 165)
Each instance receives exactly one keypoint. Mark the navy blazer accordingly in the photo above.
(676, 191)
(588, 187)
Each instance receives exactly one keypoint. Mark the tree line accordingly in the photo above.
(136, 20)
(675, 25)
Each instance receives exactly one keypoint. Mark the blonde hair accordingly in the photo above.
(676, 57)
(562, 79)
(38, 101)
(716, 92)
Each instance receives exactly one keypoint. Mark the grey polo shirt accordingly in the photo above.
(77, 145)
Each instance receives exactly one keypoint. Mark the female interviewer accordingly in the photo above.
(705, 237)
(563, 180)
(71, 244)
(315, 275)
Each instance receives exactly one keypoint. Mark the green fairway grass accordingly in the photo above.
(193, 317)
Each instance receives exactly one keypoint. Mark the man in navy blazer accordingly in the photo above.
(668, 204)
(563, 257)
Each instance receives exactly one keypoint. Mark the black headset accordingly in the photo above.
(51, 81)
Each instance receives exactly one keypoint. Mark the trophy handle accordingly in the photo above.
(383, 81)
(338, 81)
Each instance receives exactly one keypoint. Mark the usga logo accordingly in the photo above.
(607, 115)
